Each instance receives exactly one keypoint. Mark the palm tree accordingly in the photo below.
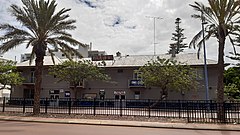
(222, 17)
(44, 30)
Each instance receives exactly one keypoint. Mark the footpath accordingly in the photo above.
(190, 126)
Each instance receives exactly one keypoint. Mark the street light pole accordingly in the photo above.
(205, 59)
(154, 32)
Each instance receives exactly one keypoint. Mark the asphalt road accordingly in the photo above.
(29, 128)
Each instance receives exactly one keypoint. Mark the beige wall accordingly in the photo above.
(119, 83)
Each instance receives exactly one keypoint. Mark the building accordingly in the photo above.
(86, 52)
(125, 83)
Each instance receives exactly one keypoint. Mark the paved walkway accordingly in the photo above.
(222, 127)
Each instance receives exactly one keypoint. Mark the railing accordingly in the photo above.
(191, 111)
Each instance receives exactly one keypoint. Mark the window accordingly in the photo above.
(32, 78)
(137, 75)
(120, 70)
(137, 95)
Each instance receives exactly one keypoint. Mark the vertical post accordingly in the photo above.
(205, 59)
(24, 105)
(224, 106)
(46, 105)
(120, 107)
(149, 109)
(94, 106)
(179, 109)
(188, 117)
(4, 102)
(69, 106)
(154, 36)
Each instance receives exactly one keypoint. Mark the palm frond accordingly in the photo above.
(232, 42)
(195, 39)
(32, 56)
(6, 46)
(52, 55)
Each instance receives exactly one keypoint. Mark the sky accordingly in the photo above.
(125, 26)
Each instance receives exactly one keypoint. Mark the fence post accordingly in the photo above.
(225, 116)
(46, 104)
(24, 105)
(4, 101)
(94, 106)
(179, 109)
(188, 119)
(149, 109)
(69, 106)
(120, 107)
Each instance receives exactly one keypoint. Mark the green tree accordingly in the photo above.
(178, 38)
(222, 17)
(232, 83)
(168, 75)
(43, 29)
(75, 72)
(9, 75)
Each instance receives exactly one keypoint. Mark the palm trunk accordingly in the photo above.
(38, 82)
(220, 85)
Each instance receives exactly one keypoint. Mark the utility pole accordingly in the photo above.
(205, 59)
(154, 32)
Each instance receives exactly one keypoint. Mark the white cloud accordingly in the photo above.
(133, 31)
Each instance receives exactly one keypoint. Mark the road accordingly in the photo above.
(29, 128)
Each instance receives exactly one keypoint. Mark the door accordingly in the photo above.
(118, 99)
(54, 98)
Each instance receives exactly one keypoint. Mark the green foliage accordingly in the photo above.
(178, 38)
(9, 75)
(232, 91)
(169, 75)
(75, 72)
(232, 83)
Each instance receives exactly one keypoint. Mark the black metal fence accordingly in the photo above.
(192, 111)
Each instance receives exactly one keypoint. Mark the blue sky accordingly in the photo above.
(123, 25)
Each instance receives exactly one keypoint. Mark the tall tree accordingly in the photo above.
(222, 17)
(44, 29)
(9, 75)
(75, 72)
(168, 75)
(178, 38)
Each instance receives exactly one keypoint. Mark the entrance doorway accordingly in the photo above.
(120, 99)
(54, 98)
